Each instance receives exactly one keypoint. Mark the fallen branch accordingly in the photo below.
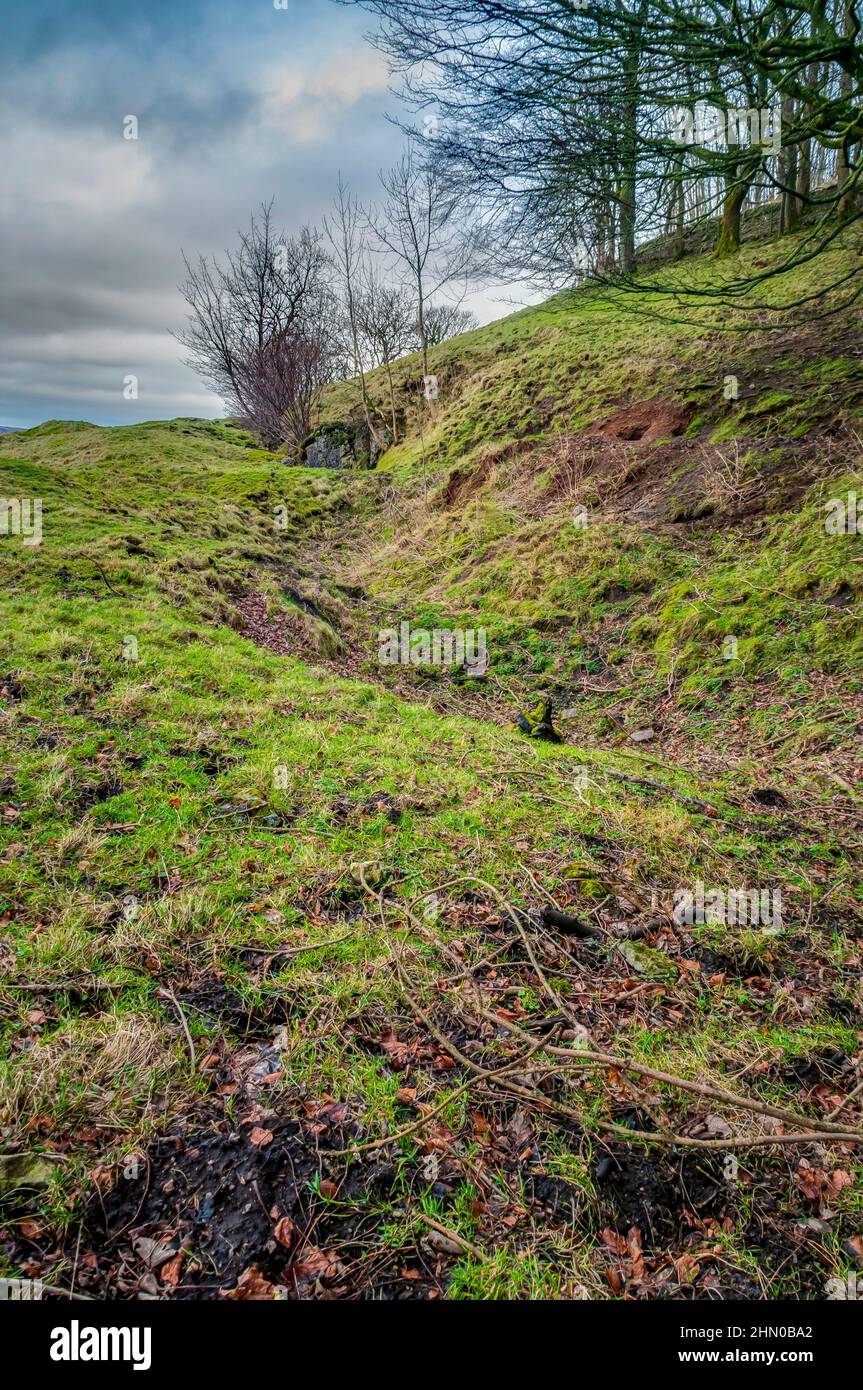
(466, 1245)
(822, 1128)
(814, 1130)
(299, 950)
(573, 926)
(649, 782)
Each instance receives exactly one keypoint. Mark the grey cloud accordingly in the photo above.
(235, 106)
(237, 103)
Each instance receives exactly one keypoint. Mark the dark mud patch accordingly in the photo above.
(254, 1210)
(788, 1252)
(823, 1065)
(769, 797)
(11, 689)
(95, 795)
(380, 803)
(664, 1196)
(212, 759)
(735, 966)
(219, 1006)
(555, 1200)
(846, 1010)
(50, 739)
(843, 597)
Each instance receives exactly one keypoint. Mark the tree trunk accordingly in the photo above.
(680, 200)
(737, 186)
(790, 217)
(804, 159)
(729, 231)
(421, 324)
(627, 222)
(389, 367)
(804, 175)
(629, 149)
(843, 158)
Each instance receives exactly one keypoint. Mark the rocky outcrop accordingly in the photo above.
(349, 444)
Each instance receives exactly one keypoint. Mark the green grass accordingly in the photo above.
(177, 801)
(635, 604)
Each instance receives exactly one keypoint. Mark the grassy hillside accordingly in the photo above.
(284, 1011)
(584, 489)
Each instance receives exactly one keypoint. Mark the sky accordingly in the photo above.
(236, 102)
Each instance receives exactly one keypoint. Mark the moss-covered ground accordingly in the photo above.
(279, 990)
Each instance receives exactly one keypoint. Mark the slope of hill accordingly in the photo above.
(637, 508)
(281, 920)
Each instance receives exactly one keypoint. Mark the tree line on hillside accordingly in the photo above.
(550, 140)
(281, 316)
(583, 128)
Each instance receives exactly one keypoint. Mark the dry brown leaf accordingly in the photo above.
(687, 1269)
(170, 1271)
(252, 1285)
(285, 1231)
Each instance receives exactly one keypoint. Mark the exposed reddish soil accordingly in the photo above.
(462, 483)
(645, 420)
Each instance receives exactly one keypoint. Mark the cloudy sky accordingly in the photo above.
(236, 101)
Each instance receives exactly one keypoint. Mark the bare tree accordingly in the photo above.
(419, 225)
(448, 321)
(386, 325)
(284, 384)
(345, 231)
(252, 315)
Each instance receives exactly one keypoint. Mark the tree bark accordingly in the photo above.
(789, 218)
(629, 147)
(389, 367)
(729, 230)
(843, 158)
(680, 199)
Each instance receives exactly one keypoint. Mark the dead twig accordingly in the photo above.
(466, 1245)
(300, 950)
(193, 1056)
(814, 1130)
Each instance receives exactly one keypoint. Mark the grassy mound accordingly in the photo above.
(284, 1008)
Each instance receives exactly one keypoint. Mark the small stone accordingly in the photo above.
(646, 961)
(23, 1172)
